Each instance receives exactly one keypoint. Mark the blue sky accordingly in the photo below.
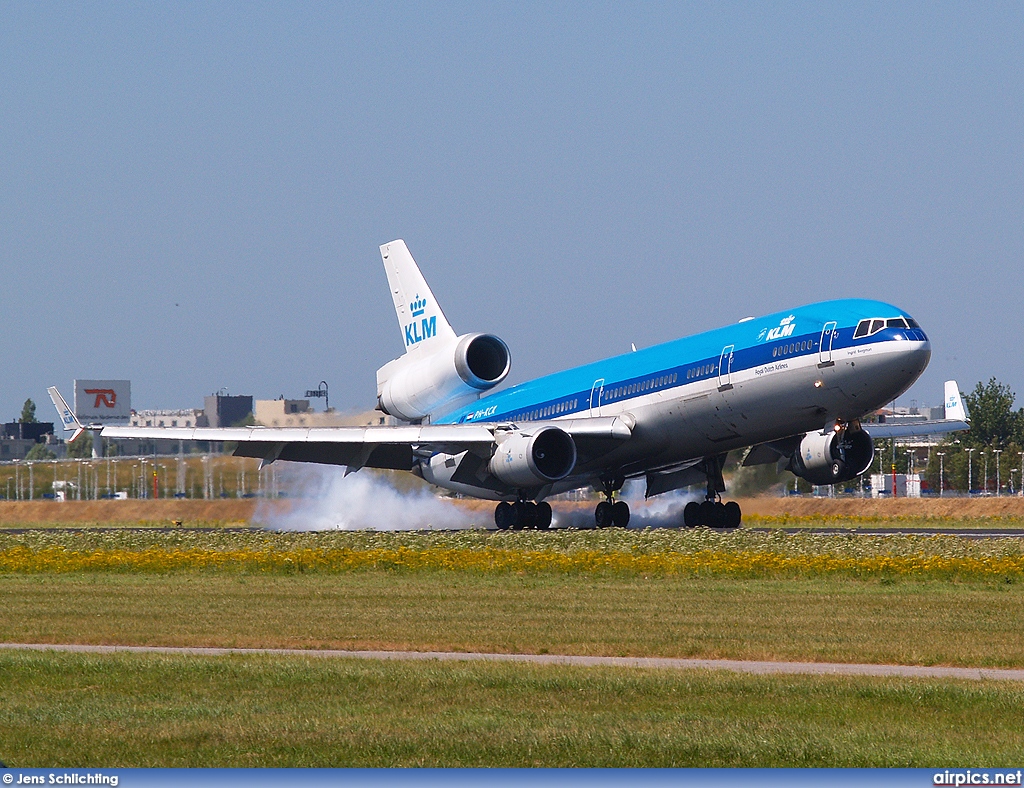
(192, 196)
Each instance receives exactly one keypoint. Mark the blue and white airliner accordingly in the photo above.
(792, 386)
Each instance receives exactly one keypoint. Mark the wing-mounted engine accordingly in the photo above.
(832, 456)
(827, 457)
(529, 460)
(418, 384)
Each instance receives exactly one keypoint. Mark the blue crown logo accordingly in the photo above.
(418, 306)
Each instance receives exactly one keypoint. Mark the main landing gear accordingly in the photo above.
(522, 514)
(713, 514)
(711, 511)
(611, 512)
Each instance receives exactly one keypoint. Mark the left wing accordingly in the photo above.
(394, 447)
(955, 420)
(355, 447)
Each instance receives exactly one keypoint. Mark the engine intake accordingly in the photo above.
(482, 360)
(522, 460)
(832, 457)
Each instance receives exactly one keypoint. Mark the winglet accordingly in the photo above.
(67, 416)
(954, 404)
(420, 318)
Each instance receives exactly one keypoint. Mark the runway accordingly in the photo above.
(661, 663)
(966, 533)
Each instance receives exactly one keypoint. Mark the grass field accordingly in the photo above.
(143, 710)
(817, 619)
(909, 600)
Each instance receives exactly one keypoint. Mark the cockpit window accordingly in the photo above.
(873, 325)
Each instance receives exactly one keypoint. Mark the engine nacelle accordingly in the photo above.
(522, 461)
(832, 457)
(412, 387)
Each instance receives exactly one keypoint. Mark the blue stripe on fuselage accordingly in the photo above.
(666, 366)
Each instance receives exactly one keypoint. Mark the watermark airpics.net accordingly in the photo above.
(976, 777)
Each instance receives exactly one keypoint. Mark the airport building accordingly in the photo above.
(283, 412)
(186, 417)
(17, 438)
(223, 410)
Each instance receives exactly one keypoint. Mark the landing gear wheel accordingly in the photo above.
(706, 510)
(733, 515)
(523, 515)
(504, 516)
(604, 514)
(691, 514)
(620, 514)
(543, 515)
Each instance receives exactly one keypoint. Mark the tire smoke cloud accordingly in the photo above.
(323, 498)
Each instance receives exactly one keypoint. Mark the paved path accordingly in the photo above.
(734, 665)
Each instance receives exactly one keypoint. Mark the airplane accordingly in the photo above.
(794, 387)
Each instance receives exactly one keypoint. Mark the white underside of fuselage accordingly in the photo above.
(789, 396)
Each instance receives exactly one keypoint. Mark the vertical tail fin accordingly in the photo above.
(420, 319)
(67, 416)
(954, 404)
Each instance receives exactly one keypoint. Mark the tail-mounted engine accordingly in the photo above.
(833, 456)
(415, 386)
(523, 461)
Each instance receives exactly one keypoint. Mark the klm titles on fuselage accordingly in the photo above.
(416, 332)
(785, 328)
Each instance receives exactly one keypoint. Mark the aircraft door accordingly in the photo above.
(828, 333)
(725, 368)
(595, 397)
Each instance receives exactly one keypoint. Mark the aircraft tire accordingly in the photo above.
(733, 515)
(691, 514)
(620, 514)
(503, 516)
(707, 514)
(603, 515)
(543, 516)
(519, 515)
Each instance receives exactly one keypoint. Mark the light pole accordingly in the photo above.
(997, 452)
(1021, 491)
(984, 453)
(970, 453)
(1012, 471)
(941, 455)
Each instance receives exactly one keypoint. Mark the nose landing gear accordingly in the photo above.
(522, 514)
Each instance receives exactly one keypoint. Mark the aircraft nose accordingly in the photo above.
(913, 359)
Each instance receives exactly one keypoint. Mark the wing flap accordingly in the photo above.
(429, 434)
